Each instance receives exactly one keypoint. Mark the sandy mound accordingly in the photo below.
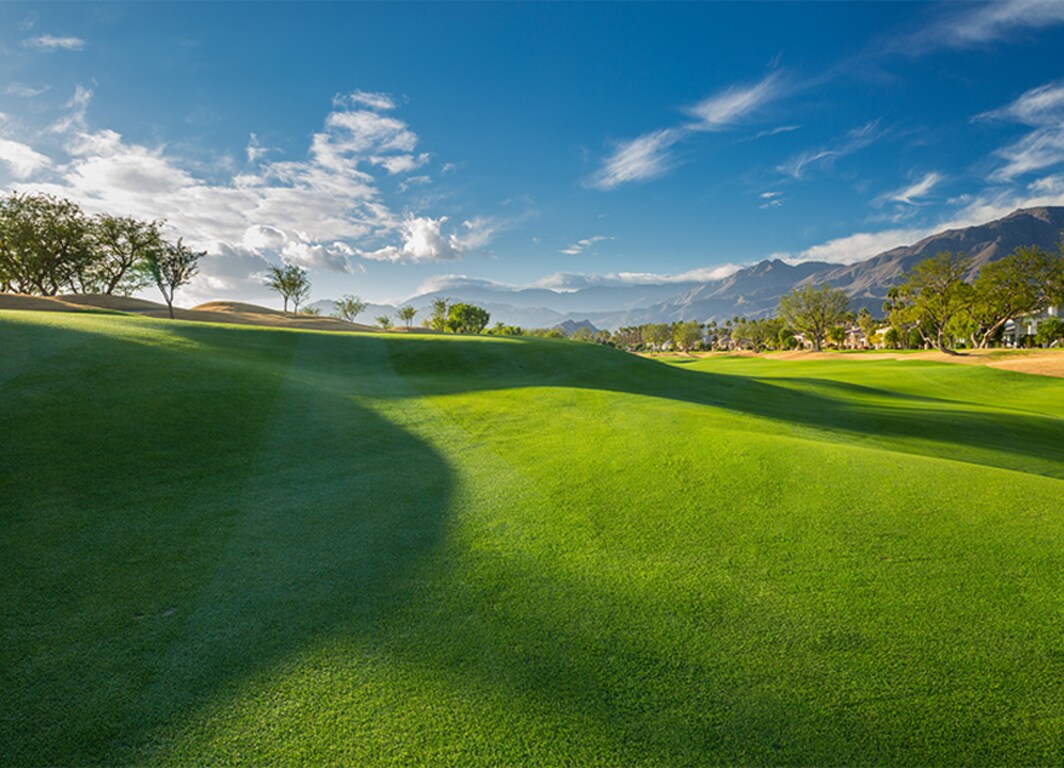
(212, 312)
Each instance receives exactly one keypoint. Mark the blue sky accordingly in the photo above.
(395, 147)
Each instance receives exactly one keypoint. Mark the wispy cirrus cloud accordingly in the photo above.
(967, 24)
(25, 91)
(650, 156)
(913, 193)
(1042, 109)
(54, 43)
(798, 166)
(581, 245)
(732, 105)
(643, 158)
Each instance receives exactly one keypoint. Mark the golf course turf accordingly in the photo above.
(234, 545)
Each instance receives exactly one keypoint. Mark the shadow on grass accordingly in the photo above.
(158, 558)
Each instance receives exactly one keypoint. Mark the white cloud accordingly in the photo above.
(319, 212)
(731, 105)
(450, 282)
(21, 159)
(1041, 108)
(580, 245)
(573, 281)
(401, 163)
(423, 240)
(53, 43)
(776, 131)
(25, 91)
(262, 237)
(255, 151)
(379, 102)
(858, 246)
(985, 22)
(911, 194)
(798, 166)
(640, 159)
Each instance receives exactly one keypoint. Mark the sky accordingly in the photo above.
(395, 148)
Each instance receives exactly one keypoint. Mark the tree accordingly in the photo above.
(467, 318)
(122, 246)
(1025, 282)
(407, 314)
(837, 335)
(657, 335)
(45, 244)
(384, 322)
(172, 265)
(687, 336)
(438, 319)
(349, 307)
(1049, 330)
(868, 326)
(291, 282)
(811, 310)
(935, 292)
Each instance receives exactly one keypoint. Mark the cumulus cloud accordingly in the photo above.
(21, 158)
(319, 212)
(53, 43)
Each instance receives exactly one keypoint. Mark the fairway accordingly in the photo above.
(234, 545)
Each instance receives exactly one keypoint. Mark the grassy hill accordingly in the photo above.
(231, 545)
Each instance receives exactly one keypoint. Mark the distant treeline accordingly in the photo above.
(49, 245)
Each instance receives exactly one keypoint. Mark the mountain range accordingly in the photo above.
(753, 291)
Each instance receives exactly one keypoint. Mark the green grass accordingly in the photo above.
(227, 545)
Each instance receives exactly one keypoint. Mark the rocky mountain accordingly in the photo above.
(751, 292)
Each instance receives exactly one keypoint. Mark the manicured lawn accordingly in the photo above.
(227, 545)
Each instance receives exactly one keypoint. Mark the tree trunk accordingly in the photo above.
(170, 306)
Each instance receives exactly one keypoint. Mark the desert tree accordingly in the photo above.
(467, 318)
(122, 246)
(385, 322)
(688, 335)
(406, 314)
(172, 265)
(812, 310)
(1025, 282)
(291, 282)
(45, 244)
(349, 307)
(935, 293)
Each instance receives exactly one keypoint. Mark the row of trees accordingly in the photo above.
(49, 245)
(933, 305)
(937, 301)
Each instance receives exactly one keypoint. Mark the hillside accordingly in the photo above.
(230, 544)
(211, 312)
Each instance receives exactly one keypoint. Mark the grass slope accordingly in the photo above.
(228, 545)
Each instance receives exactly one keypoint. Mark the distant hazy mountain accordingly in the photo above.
(752, 292)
